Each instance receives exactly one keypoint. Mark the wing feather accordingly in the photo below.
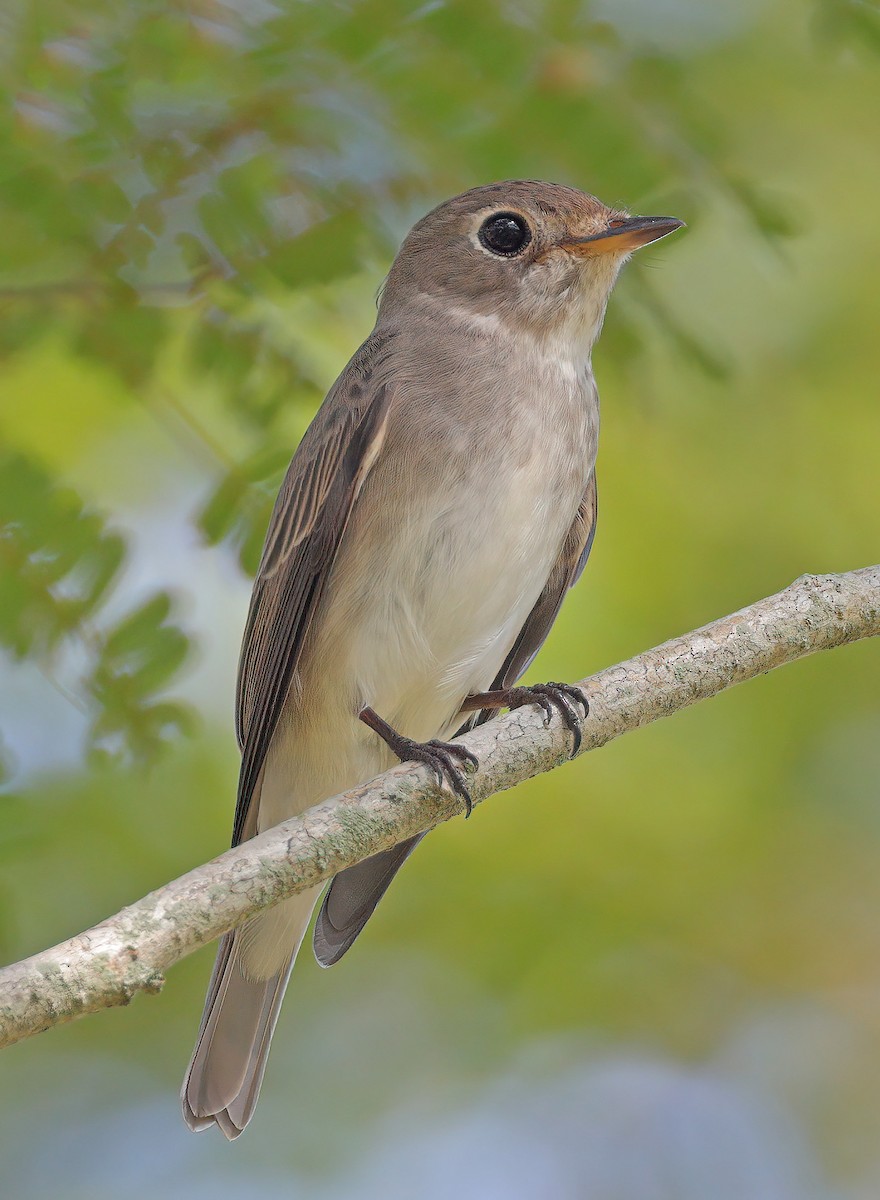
(305, 530)
(565, 574)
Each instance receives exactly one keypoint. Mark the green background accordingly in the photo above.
(654, 975)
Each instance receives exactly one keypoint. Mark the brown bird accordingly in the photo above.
(436, 512)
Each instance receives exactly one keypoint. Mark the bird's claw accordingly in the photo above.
(441, 758)
(559, 696)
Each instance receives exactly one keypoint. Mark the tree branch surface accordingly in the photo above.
(129, 952)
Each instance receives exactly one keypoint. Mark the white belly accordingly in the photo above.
(449, 600)
(432, 591)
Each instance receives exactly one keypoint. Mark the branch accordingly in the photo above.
(128, 953)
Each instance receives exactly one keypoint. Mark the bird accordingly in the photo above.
(435, 514)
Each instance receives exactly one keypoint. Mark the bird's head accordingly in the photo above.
(538, 257)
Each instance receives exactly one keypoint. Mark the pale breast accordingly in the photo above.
(455, 534)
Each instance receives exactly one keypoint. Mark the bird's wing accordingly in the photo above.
(566, 572)
(305, 530)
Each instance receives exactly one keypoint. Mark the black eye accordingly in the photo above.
(505, 234)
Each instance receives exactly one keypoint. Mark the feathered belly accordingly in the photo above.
(427, 600)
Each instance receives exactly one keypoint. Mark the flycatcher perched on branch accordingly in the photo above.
(439, 507)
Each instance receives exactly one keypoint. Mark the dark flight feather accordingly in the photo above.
(305, 530)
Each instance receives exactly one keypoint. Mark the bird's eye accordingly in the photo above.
(505, 233)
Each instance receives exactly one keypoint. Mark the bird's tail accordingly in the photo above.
(253, 966)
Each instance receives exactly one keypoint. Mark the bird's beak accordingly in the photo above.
(623, 235)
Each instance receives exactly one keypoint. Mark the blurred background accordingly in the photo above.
(198, 203)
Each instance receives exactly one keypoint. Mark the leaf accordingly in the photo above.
(58, 562)
(129, 635)
(326, 251)
(218, 517)
(141, 654)
(772, 215)
(128, 338)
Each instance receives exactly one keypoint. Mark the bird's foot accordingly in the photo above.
(448, 760)
(548, 696)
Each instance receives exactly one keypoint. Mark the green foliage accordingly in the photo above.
(160, 159)
(58, 562)
(239, 508)
(852, 22)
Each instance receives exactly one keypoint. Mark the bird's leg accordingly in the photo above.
(561, 696)
(440, 756)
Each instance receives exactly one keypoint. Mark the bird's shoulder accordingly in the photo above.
(332, 448)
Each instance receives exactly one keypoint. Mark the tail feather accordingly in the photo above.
(223, 1080)
(352, 897)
